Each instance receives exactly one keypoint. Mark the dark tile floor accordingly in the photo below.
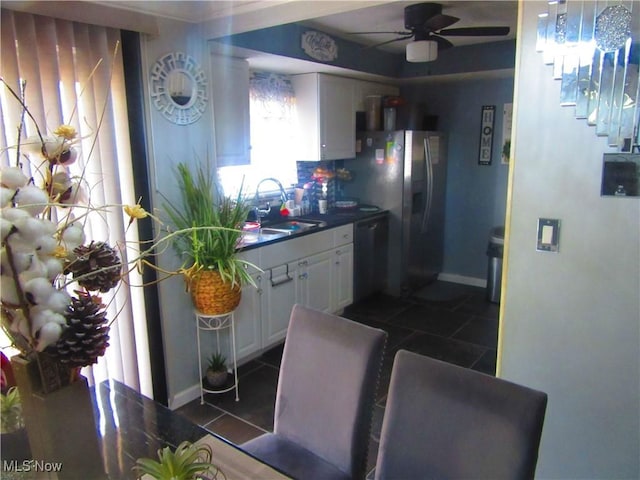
(448, 321)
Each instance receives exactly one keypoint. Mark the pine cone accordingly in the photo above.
(96, 267)
(86, 336)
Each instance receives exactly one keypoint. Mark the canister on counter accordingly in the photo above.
(373, 105)
(389, 118)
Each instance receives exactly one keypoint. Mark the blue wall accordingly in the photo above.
(285, 40)
(476, 195)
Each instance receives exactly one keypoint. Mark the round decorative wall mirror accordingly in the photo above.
(178, 88)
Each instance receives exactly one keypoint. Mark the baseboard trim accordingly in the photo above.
(184, 397)
(463, 279)
(191, 393)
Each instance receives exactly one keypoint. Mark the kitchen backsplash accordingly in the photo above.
(318, 175)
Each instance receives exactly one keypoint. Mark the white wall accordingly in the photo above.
(168, 145)
(570, 323)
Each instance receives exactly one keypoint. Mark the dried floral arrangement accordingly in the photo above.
(52, 275)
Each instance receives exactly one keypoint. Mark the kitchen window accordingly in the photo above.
(272, 111)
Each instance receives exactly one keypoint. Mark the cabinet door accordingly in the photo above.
(307, 142)
(315, 280)
(279, 290)
(337, 118)
(248, 319)
(343, 277)
(230, 99)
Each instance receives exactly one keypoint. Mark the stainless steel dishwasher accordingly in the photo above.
(370, 255)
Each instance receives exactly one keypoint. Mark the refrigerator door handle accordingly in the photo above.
(429, 186)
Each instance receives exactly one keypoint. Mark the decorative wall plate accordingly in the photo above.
(319, 45)
(178, 88)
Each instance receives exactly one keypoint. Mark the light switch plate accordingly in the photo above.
(548, 234)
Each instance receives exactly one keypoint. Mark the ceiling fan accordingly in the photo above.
(427, 25)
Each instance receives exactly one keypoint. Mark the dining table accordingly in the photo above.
(129, 426)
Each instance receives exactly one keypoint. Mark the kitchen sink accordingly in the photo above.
(293, 226)
(278, 230)
(249, 238)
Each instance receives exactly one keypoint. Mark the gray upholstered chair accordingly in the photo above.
(325, 396)
(445, 421)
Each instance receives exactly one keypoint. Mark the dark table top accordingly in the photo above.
(128, 426)
(133, 426)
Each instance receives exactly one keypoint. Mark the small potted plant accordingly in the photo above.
(217, 370)
(209, 230)
(187, 462)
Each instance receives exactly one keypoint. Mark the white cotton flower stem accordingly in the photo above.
(23, 87)
(48, 213)
(25, 109)
(24, 305)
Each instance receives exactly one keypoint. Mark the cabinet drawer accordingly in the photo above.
(343, 235)
(295, 248)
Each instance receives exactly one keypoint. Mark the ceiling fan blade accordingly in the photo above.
(440, 21)
(388, 41)
(475, 32)
(443, 43)
(371, 33)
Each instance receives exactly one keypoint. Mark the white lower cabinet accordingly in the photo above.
(322, 281)
(343, 277)
(248, 319)
(278, 295)
(315, 280)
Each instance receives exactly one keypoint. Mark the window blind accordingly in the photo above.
(58, 59)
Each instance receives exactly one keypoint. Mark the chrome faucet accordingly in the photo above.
(263, 213)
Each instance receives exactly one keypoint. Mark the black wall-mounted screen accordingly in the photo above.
(620, 174)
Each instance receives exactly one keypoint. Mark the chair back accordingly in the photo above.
(445, 421)
(326, 388)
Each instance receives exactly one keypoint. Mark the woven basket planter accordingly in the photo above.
(212, 296)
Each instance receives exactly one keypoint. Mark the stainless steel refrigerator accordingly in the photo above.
(405, 172)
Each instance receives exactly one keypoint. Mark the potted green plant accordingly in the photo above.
(10, 411)
(188, 462)
(209, 229)
(217, 370)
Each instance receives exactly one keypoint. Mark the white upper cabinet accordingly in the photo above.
(326, 117)
(230, 97)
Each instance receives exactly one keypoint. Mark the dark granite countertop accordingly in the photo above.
(337, 217)
(334, 218)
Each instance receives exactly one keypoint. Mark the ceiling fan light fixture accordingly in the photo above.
(422, 51)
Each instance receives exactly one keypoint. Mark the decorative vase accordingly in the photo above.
(217, 378)
(212, 296)
(60, 424)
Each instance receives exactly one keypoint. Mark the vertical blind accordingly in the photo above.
(58, 59)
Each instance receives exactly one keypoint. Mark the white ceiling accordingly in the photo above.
(332, 16)
(193, 11)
